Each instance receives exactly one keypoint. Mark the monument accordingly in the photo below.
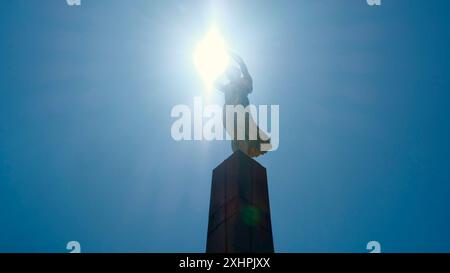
(239, 213)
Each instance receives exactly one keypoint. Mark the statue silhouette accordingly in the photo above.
(236, 91)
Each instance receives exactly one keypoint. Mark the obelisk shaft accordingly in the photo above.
(239, 214)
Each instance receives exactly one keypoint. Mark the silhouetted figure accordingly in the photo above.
(236, 93)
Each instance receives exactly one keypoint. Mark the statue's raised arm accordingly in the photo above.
(247, 79)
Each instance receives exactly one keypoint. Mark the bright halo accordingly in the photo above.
(211, 57)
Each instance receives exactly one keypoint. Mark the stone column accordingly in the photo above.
(239, 213)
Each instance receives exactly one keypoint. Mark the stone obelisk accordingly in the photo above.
(239, 213)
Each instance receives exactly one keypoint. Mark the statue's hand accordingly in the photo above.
(236, 57)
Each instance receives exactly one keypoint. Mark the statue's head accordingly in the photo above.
(233, 73)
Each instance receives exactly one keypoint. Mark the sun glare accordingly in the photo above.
(211, 57)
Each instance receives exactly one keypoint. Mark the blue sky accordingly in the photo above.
(85, 100)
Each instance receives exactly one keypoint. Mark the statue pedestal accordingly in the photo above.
(239, 213)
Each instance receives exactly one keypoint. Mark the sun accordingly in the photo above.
(211, 57)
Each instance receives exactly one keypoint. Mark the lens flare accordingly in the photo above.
(211, 57)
